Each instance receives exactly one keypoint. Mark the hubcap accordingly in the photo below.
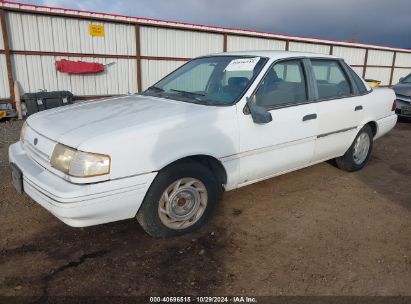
(361, 147)
(183, 203)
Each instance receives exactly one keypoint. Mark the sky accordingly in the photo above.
(381, 22)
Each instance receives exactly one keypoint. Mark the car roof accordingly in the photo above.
(277, 54)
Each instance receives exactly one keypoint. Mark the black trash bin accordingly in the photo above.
(36, 102)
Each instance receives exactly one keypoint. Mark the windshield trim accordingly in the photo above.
(235, 101)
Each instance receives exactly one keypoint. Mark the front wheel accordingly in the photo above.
(359, 153)
(179, 201)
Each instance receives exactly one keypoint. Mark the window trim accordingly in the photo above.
(312, 86)
(350, 70)
(308, 88)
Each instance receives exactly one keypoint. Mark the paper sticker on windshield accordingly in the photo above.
(242, 64)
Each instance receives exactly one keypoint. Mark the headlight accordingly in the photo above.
(62, 157)
(23, 131)
(89, 164)
(79, 163)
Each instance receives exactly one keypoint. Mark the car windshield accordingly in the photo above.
(218, 80)
(407, 79)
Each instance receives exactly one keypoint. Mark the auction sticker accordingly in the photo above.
(242, 64)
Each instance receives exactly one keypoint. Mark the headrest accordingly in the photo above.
(237, 81)
(272, 76)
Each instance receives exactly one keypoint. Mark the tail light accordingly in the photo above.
(394, 106)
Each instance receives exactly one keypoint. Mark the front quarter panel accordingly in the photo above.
(136, 150)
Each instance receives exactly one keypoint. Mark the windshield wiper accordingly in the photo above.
(154, 88)
(186, 92)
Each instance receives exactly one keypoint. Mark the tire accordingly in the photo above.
(179, 176)
(350, 161)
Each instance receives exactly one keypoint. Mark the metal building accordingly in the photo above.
(144, 50)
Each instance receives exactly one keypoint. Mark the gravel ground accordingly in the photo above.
(316, 231)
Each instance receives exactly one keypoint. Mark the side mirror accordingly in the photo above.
(401, 79)
(259, 114)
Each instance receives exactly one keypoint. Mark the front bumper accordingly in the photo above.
(81, 205)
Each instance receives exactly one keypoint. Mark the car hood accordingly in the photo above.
(72, 125)
(402, 89)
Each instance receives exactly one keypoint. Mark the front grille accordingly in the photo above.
(35, 153)
(38, 147)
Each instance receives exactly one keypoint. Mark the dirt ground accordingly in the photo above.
(317, 231)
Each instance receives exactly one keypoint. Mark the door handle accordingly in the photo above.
(358, 108)
(309, 117)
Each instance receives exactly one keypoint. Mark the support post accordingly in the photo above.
(392, 67)
(365, 63)
(138, 57)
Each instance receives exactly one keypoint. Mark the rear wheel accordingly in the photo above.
(180, 200)
(359, 153)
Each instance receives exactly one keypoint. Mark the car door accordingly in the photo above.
(339, 107)
(288, 141)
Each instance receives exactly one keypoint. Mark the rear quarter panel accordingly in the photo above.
(377, 105)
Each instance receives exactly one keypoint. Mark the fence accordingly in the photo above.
(144, 50)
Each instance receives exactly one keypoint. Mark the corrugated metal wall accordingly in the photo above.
(154, 70)
(36, 73)
(172, 43)
(240, 43)
(402, 60)
(177, 43)
(309, 47)
(353, 56)
(38, 36)
(64, 35)
(55, 34)
(4, 81)
(1, 40)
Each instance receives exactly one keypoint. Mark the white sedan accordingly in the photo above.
(215, 124)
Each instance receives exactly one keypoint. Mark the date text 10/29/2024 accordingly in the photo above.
(234, 299)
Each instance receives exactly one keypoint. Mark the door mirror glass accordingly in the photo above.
(401, 79)
(258, 113)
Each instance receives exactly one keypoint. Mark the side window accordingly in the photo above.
(284, 84)
(330, 78)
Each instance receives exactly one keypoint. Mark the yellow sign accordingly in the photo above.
(96, 30)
